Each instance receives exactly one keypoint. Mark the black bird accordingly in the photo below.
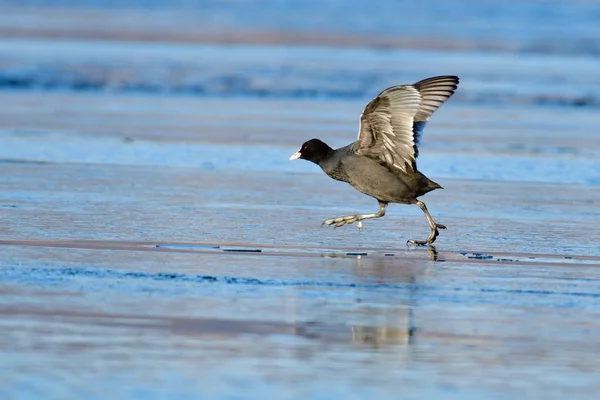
(382, 162)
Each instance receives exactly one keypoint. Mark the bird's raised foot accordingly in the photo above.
(341, 221)
(440, 226)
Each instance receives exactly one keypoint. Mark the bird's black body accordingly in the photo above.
(367, 175)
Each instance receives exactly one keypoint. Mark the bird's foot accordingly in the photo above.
(430, 239)
(418, 242)
(341, 221)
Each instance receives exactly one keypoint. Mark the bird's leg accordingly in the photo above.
(349, 219)
(434, 227)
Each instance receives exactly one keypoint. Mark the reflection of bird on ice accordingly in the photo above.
(387, 335)
(390, 325)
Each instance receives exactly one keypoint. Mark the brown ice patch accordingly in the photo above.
(154, 26)
(291, 250)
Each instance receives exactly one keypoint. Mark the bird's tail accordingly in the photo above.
(425, 185)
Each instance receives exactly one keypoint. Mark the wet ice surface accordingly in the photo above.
(156, 243)
(114, 265)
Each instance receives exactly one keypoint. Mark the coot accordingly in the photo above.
(382, 163)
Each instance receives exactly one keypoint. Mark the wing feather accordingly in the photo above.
(393, 122)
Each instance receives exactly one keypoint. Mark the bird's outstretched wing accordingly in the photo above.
(393, 122)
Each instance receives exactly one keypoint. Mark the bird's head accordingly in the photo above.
(314, 150)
